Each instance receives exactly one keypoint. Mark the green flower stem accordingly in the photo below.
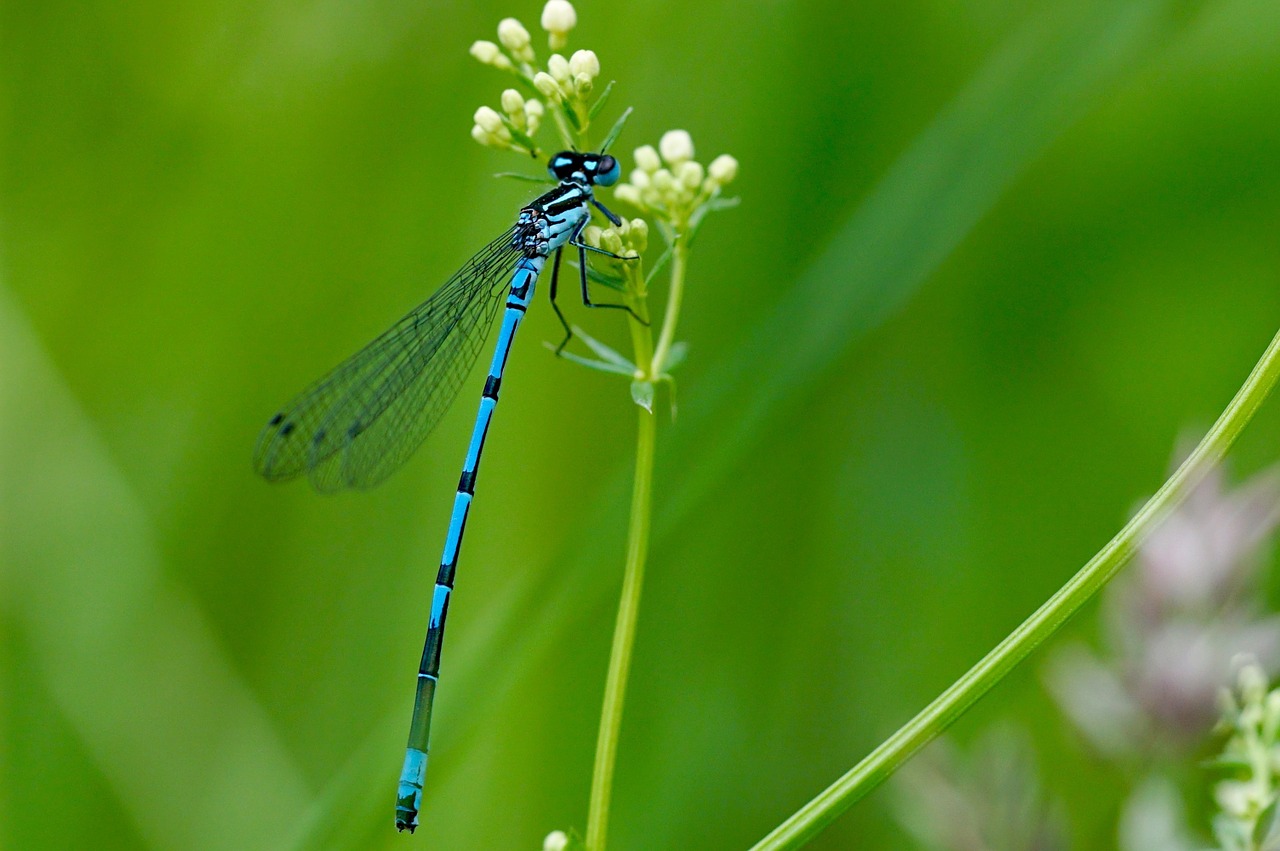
(679, 262)
(624, 632)
(814, 816)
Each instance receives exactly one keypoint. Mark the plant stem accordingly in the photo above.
(814, 816)
(623, 635)
(624, 632)
(679, 262)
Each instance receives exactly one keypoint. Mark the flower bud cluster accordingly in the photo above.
(566, 84)
(670, 183)
(628, 239)
(513, 127)
(1252, 718)
(568, 80)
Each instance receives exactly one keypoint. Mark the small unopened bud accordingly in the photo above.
(640, 178)
(1234, 797)
(663, 181)
(723, 169)
(489, 120)
(591, 236)
(647, 159)
(1271, 716)
(558, 17)
(628, 193)
(691, 174)
(513, 35)
(556, 840)
(639, 234)
(582, 83)
(559, 68)
(676, 147)
(533, 113)
(547, 84)
(611, 240)
(481, 135)
(512, 102)
(585, 62)
(488, 52)
(1253, 684)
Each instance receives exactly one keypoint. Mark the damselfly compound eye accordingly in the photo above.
(608, 170)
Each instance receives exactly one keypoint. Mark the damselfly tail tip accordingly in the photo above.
(406, 816)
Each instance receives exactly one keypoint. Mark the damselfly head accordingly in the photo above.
(598, 169)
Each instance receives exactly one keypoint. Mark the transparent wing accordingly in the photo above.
(358, 424)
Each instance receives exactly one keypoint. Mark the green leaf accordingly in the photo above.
(592, 363)
(617, 129)
(676, 356)
(527, 178)
(600, 102)
(571, 115)
(642, 394)
(605, 352)
(594, 275)
(671, 384)
(1265, 827)
(662, 260)
(520, 137)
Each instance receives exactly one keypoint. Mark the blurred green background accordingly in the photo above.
(992, 260)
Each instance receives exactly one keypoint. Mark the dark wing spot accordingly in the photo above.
(287, 429)
(276, 420)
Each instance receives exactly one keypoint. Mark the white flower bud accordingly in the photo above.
(582, 83)
(676, 146)
(640, 178)
(481, 135)
(1234, 797)
(512, 102)
(533, 113)
(1253, 684)
(558, 17)
(639, 234)
(663, 180)
(629, 194)
(591, 236)
(1271, 716)
(585, 62)
(547, 84)
(489, 120)
(691, 174)
(723, 169)
(556, 840)
(513, 35)
(487, 52)
(647, 159)
(559, 68)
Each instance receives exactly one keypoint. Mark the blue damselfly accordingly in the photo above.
(358, 424)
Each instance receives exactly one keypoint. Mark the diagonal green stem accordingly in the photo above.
(623, 636)
(624, 632)
(814, 816)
